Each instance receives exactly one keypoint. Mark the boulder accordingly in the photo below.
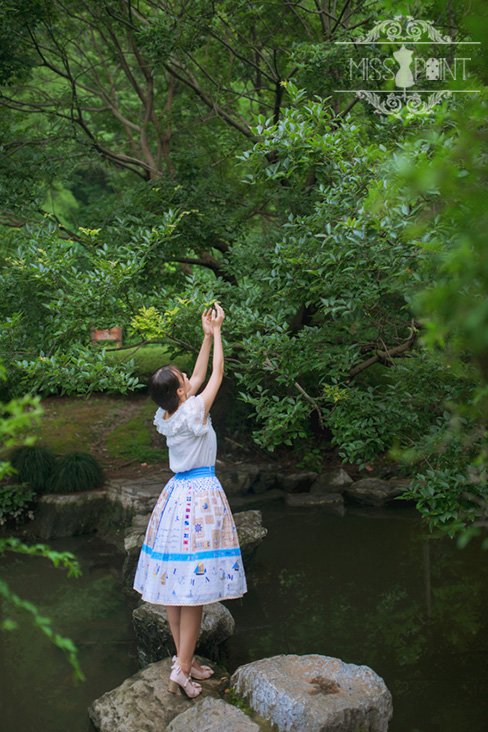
(153, 634)
(267, 479)
(297, 482)
(142, 703)
(237, 480)
(251, 532)
(331, 502)
(374, 491)
(212, 715)
(315, 694)
(332, 481)
(68, 514)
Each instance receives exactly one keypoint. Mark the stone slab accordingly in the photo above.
(212, 715)
(331, 502)
(374, 491)
(315, 694)
(59, 515)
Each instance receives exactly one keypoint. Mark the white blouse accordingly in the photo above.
(191, 443)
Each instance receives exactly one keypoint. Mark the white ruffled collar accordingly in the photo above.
(173, 423)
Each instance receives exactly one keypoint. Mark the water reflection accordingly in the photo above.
(375, 589)
(37, 690)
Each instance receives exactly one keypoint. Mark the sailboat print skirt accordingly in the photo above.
(191, 554)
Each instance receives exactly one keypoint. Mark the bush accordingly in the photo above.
(16, 504)
(34, 466)
(76, 471)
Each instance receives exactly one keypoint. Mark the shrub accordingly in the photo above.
(16, 504)
(76, 471)
(34, 466)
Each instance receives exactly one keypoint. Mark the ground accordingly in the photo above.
(118, 430)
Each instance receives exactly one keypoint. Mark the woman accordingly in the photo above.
(190, 556)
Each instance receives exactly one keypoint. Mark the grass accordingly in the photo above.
(117, 430)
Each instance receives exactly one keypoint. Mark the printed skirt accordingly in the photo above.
(191, 554)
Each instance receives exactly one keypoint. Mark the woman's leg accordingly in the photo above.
(174, 619)
(190, 620)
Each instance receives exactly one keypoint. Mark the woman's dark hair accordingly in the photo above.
(163, 386)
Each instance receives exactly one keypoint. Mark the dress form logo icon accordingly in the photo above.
(404, 76)
(407, 67)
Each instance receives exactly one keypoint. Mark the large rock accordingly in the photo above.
(153, 634)
(251, 532)
(375, 492)
(268, 478)
(332, 481)
(142, 703)
(212, 715)
(315, 694)
(236, 480)
(298, 482)
(68, 514)
(330, 502)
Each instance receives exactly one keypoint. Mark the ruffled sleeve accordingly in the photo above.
(196, 415)
(188, 416)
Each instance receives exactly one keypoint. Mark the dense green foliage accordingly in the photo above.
(34, 465)
(76, 471)
(163, 156)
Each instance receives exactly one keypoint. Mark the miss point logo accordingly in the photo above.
(405, 68)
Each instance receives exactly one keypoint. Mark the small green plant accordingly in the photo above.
(237, 701)
(76, 471)
(34, 466)
(16, 503)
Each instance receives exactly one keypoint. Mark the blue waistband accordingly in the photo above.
(195, 473)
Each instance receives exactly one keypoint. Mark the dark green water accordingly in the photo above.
(371, 588)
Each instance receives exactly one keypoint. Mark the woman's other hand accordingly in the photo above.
(207, 322)
(218, 316)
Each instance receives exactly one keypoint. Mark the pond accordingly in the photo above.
(370, 588)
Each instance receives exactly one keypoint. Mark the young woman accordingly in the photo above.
(190, 556)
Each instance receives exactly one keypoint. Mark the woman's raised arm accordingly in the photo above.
(210, 391)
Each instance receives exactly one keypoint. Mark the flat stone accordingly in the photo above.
(250, 531)
(142, 703)
(374, 491)
(68, 514)
(252, 501)
(332, 481)
(297, 482)
(138, 495)
(212, 715)
(315, 694)
(333, 502)
(153, 634)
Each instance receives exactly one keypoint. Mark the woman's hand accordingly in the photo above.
(207, 322)
(218, 316)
